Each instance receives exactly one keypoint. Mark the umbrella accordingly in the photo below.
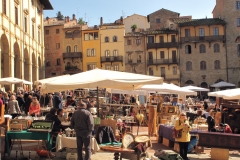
(195, 88)
(227, 94)
(222, 84)
(49, 79)
(13, 80)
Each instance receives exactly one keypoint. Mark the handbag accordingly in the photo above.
(177, 133)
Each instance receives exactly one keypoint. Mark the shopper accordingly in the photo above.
(183, 125)
(13, 107)
(211, 122)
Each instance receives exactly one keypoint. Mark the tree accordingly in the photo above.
(134, 27)
(81, 21)
(59, 15)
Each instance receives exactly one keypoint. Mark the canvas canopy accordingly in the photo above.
(49, 79)
(195, 88)
(100, 78)
(131, 92)
(222, 84)
(226, 94)
(13, 80)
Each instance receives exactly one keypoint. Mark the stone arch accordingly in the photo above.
(34, 68)
(26, 65)
(5, 57)
(17, 61)
(189, 82)
(204, 85)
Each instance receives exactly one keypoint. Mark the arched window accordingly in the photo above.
(76, 34)
(75, 48)
(107, 53)
(216, 47)
(68, 49)
(106, 39)
(202, 48)
(88, 53)
(204, 85)
(188, 49)
(68, 34)
(217, 64)
(93, 53)
(188, 66)
(114, 38)
(203, 65)
(150, 70)
(115, 53)
(189, 82)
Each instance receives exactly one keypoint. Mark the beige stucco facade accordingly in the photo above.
(22, 41)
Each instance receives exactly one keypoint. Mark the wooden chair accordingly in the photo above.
(109, 122)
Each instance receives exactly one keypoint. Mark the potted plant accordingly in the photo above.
(134, 27)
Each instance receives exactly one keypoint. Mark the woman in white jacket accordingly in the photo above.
(13, 107)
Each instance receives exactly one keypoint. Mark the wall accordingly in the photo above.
(140, 21)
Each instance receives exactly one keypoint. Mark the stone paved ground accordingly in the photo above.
(234, 155)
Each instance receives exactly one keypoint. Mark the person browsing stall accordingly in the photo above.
(183, 125)
(51, 116)
(34, 108)
(83, 124)
(60, 115)
(13, 107)
(211, 121)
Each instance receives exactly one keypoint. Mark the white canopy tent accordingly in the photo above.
(195, 88)
(226, 94)
(222, 84)
(13, 80)
(100, 78)
(46, 80)
(132, 92)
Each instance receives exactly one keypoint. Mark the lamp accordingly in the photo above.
(140, 118)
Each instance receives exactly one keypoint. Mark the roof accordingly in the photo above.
(200, 22)
(53, 22)
(133, 34)
(163, 9)
(166, 31)
(180, 20)
(136, 15)
(111, 24)
(47, 5)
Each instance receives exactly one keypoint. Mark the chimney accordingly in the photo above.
(73, 16)
(47, 18)
(65, 19)
(68, 18)
(121, 20)
(101, 21)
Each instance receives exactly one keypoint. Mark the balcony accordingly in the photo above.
(71, 70)
(202, 39)
(111, 59)
(72, 55)
(161, 61)
(162, 45)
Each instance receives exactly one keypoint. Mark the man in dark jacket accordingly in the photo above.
(58, 101)
(83, 124)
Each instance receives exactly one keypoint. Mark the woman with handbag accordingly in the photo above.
(182, 126)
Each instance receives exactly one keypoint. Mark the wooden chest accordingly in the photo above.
(23, 122)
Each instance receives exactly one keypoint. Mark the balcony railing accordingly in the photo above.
(202, 39)
(111, 59)
(162, 61)
(72, 55)
(162, 45)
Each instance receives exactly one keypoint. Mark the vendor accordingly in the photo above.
(224, 128)
(211, 122)
(217, 108)
(51, 116)
(34, 109)
(60, 115)
(70, 101)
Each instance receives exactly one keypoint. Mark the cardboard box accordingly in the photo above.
(218, 153)
(167, 142)
(176, 147)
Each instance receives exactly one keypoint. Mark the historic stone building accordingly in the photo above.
(229, 11)
(202, 50)
(22, 41)
(135, 52)
(63, 46)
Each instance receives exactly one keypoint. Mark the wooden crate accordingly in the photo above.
(176, 147)
(218, 153)
(167, 142)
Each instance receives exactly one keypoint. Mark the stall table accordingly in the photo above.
(117, 151)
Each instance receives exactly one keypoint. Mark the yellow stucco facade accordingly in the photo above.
(112, 46)
(91, 48)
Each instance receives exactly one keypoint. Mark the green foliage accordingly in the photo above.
(134, 27)
(59, 15)
(81, 21)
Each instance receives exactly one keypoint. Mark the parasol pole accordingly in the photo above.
(97, 103)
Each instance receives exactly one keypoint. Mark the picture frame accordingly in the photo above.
(171, 109)
(127, 140)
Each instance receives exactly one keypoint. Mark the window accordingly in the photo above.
(150, 39)
(39, 37)
(32, 31)
(129, 42)
(188, 49)
(150, 70)
(187, 33)
(25, 24)
(203, 65)
(138, 42)
(93, 53)
(174, 70)
(130, 58)
(46, 32)
(86, 36)
(116, 67)
(107, 53)
(57, 31)
(162, 56)
(173, 39)
(16, 15)
(68, 34)
(88, 53)
(106, 39)
(217, 64)
(91, 66)
(237, 5)
(158, 20)
(201, 32)
(90, 36)
(114, 38)
(238, 49)
(54, 74)
(139, 59)
(58, 62)
(76, 34)
(4, 5)
(75, 48)
(238, 22)
(163, 72)
(202, 48)
(161, 39)
(68, 49)
(95, 34)
(48, 63)
(47, 46)
(215, 31)
(108, 67)
(216, 47)
(188, 66)
(115, 53)
(57, 45)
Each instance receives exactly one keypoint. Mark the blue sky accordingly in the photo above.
(110, 10)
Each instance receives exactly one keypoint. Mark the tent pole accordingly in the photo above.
(97, 103)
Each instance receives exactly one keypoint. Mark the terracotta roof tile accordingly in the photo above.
(200, 22)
